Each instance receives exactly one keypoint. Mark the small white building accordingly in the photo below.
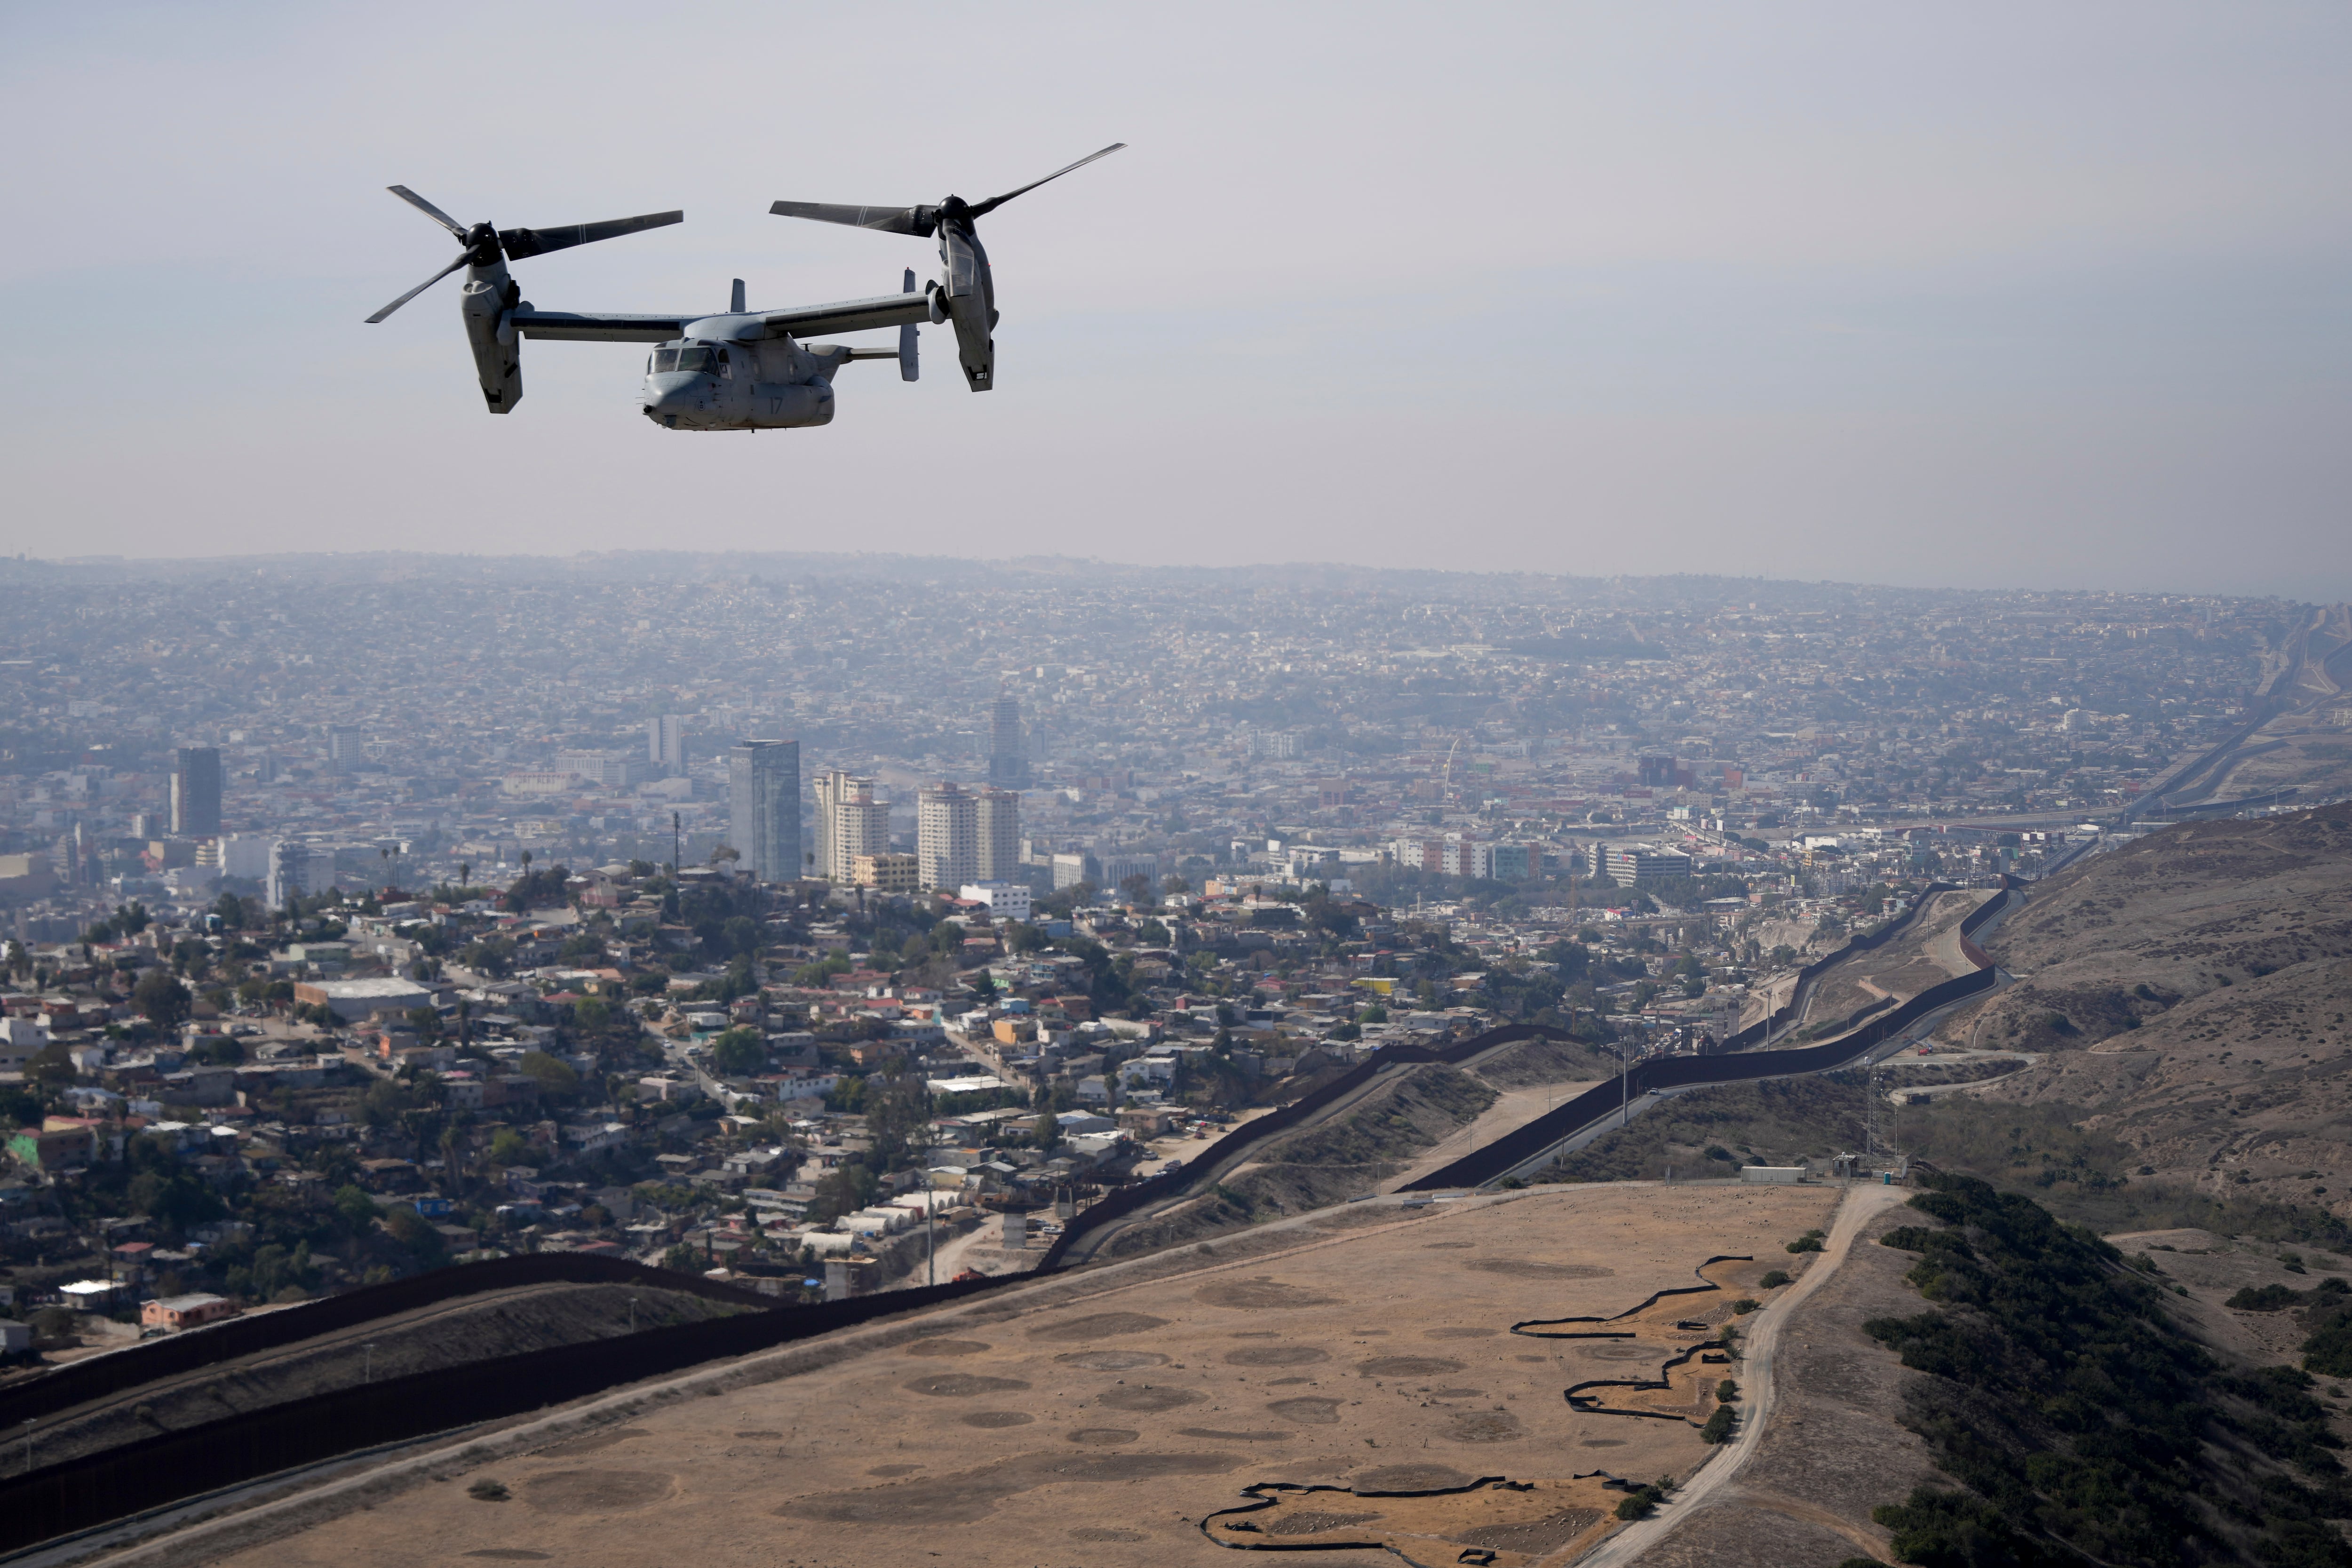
(1005, 901)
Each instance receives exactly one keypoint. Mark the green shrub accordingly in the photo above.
(1773, 1280)
(1643, 1501)
(2264, 1298)
(1808, 1242)
(1744, 1305)
(1726, 1391)
(1719, 1425)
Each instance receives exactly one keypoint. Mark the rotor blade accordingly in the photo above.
(917, 220)
(420, 288)
(428, 209)
(522, 242)
(981, 209)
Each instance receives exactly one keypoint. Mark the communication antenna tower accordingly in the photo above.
(1879, 1144)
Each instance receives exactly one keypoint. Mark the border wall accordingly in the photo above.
(103, 1488)
(79, 1382)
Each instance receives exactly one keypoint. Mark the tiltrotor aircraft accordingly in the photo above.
(733, 369)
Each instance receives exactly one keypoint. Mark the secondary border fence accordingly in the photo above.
(174, 1467)
(1531, 1139)
(1229, 1149)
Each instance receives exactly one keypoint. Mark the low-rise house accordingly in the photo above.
(52, 1148)
(173, 1313)
(594, 1137)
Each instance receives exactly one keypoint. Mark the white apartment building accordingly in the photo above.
(850, 822)
(996, 822)
(947, 836)
(1005, 901)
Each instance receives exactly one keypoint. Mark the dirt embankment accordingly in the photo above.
(1924, 956)
(1328, 1162)
(453, 1333)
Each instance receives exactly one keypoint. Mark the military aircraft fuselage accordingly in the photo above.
(725, 373)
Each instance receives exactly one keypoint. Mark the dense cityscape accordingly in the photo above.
(816, 923)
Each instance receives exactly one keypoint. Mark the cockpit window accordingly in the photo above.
(694, 360)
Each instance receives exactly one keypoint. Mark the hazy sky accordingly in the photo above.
(1981, 295)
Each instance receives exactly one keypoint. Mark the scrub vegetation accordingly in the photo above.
(2079, 1420)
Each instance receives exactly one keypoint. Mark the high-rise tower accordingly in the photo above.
(195, 793)
(1008, 759)
(666, 743)
(763, 799)
(850, 822)
(947, 838)
(996, 824)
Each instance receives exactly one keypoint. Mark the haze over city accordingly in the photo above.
(2007, 296)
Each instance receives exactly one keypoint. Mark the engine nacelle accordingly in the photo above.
(497, 357)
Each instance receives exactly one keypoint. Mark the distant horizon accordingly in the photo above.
(842, 563)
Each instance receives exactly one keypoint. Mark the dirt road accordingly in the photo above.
(1756, 1370)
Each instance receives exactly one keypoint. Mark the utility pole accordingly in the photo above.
(367, 1365)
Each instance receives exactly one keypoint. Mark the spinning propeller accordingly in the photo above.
(969, 287)
(484, 244)
(921, 221)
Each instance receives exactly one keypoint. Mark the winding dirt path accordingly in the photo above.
(1756, 1379)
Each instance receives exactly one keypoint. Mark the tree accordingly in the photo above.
(743, 934)
(357, 1210)
(896, 1110)
(843, 1190)
(409, 1228)
(165, 1001)
(739, 1052)
(175, 1198)
(555, 1078)
(508, 1147)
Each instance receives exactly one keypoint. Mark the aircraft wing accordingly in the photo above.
(594, 327)
(849, 315)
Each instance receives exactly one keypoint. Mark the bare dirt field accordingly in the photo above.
(1350, 1381)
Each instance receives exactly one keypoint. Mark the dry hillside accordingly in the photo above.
(2191, 991)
